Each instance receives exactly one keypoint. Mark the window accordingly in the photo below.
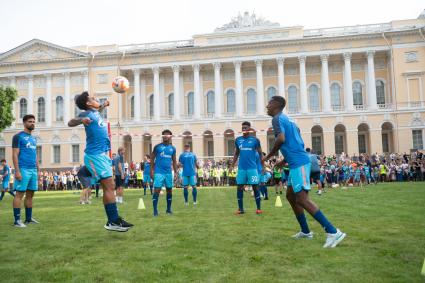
(23, 108)
(385, 143)
(417, 139)
(357, 93)
(339, 144)
(380, 92)
(59, 108)
(132, 107)
(171, 104)
(231, 103)
(316, 144)
(2, 153)
(210, 102)
(271, 91)
(251, 101)
(102, 78)
(292, 99)
(104, 113)
(336, 96)
(41, 110)
(362, 143)
(151, 101)
(75, 153)
(39, 154)
(230, 147)
(313, 94)
(190, 103)
(210, 148)
(56, 154)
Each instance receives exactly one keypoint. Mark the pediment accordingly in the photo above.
(38, 50)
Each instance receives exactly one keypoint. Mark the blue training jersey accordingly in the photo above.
(119, 159)
(314, 162)
(163, 158)
(27, 145)
(6, 169)
(146, 168)
(188, 160)
(248, 152)
(258, 161)
(293, 147)
(97, 138)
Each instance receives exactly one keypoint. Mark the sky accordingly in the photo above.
(98, 22)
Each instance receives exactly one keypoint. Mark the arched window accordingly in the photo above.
(171, 104)
(210, 102)
(59, 108)
(251, 100)
(230, 95)
(271, 91)
(151, 106)
(336, 96)
(190, 103)
(313, 94)
(357, 93)
(23, 105)
(132, 107)
(41, 110)
(380, 92)
(292, 99)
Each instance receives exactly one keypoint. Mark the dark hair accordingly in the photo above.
(165, 132)
(148, 156)
(308, 149)
(246, 123)
(280, 100)
(81, 100)
(27, 117)
(187, 145)
(3, 160)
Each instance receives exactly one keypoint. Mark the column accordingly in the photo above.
(12, 83)
(30, 94)
(281, 75)
(137, 108)
(218, 145)
(329, 142)
(144, 101)
(86, 80)
(238, 88)
(49, 100)
(217, 90)
(196, 92)
(67, 98)
(348, 83)
(303, 85)
(176, 80)
(156, 101)
(352, 142)
(260, 87)
(375, 136)
(371, 92)
(326, 93)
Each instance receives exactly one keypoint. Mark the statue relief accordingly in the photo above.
(246, 21)
(38, 54)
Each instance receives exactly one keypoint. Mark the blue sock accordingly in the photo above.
(194, 193)
(303, 223)
(28, 213)
(12, 193)
(320, 217)
(144, 190)
(257, 198)
(150, 188)
(17, 214)
(239, 195)
(155, 203)
(185, 194)
(111, 212)
(169, 200)
(266, 194)
(2, 195)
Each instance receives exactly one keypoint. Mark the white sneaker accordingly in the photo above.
(301, 235)
(195, 203)
(332, 240)
(19, 224)
(186, 203)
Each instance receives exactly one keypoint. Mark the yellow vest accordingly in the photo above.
(139, 175)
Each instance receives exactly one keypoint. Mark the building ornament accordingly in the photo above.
(246, 22)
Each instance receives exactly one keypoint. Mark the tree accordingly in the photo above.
(7, 96)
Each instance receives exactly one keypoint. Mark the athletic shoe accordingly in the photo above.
(119, 226)
(19, 224)
(186, 203)
(301, 235)
(155, 214)
(195, 203)
(169, 212)
(125, 223)
(238, 212)
(266, 198)
(259, 211)
(332, 240)
(32, 221)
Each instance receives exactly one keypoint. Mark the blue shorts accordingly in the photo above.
(28, 182)
(147, 179)
(299, 178)
(5, 184)
(163, 180)
(189, 180)
(99, 165)
(247, 177)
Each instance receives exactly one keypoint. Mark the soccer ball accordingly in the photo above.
(120, 84)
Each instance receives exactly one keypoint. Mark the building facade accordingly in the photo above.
(356, 89)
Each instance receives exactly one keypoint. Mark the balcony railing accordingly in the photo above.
(359, 107)
(385, 106)
(337, 108)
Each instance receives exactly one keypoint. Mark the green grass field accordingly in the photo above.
(385, 241)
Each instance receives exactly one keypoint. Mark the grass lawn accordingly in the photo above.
(385, 241)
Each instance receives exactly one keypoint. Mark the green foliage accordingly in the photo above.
(7, 96)
(384, 224)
